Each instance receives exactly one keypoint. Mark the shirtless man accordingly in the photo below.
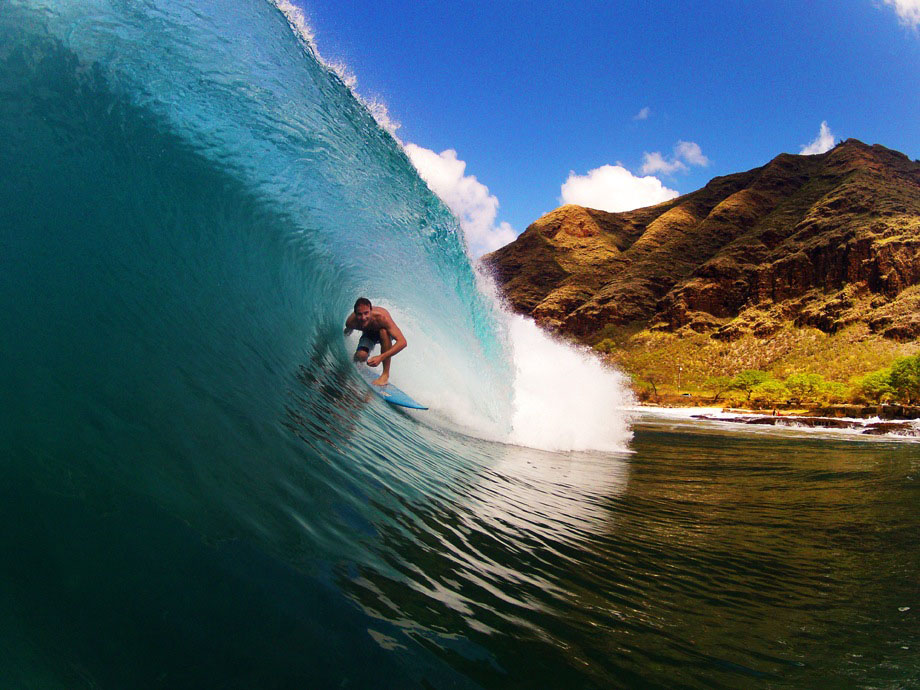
(377, 327)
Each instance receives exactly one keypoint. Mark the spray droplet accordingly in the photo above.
(902, 609)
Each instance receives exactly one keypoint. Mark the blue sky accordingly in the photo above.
(507, 107)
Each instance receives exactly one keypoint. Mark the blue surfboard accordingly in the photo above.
(388, 392)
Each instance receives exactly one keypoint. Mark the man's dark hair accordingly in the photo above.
(363, 301)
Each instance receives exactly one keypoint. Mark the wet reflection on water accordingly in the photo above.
(699, 560)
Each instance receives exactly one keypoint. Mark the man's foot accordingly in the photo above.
(382, 381)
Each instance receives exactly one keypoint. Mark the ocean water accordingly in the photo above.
(199, 491)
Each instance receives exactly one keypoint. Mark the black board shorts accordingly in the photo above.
(367, 341)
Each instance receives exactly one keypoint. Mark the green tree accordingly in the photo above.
(646, 387)
(748, 380)
(735, 398)
(875, 387)
(769, 393)
(606, 346)
(718, 385)
(905, 379)
(804, 387)
(833, 392)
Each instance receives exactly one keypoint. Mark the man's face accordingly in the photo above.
(363, 315)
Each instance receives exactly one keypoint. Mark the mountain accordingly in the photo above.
(824, 241)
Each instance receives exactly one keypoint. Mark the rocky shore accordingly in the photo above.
(863, 426)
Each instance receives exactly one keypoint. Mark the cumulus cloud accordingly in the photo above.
(821, 144)
(655, 163)
(691, 152)
(908, 11)
(643, 114)
(465, 196)
(686, 153)
(613, 188)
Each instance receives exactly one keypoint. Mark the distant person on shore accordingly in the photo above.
(377, 328)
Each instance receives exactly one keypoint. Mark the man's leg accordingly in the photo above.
(385, 344)
(366, 343)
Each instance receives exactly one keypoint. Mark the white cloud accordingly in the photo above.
(691, 152)
(822, 143)
(908, 11)
(465, 196)
(656, 163)
(686, 153)
(613, 188)
(643, 114)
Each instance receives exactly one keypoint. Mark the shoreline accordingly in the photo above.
(866, 424)
(894, 413)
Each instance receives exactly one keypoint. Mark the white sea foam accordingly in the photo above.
(565, 398)
(298, 22)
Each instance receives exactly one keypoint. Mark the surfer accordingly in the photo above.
(377, 328)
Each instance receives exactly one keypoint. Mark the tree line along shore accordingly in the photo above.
(812, 372)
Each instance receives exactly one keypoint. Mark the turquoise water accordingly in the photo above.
(199, 491)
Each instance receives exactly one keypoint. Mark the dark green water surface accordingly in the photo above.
(699, 560)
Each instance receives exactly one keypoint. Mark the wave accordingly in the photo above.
(271, 150)
(190, 202)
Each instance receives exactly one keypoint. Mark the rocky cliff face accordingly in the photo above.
(823, 241)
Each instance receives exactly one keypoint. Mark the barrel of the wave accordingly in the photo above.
(202, 179)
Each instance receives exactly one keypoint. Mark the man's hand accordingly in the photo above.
(374, 361)
(348, 331)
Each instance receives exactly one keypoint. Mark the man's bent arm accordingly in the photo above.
(400, 343)
(398, 346)
(350, 324)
